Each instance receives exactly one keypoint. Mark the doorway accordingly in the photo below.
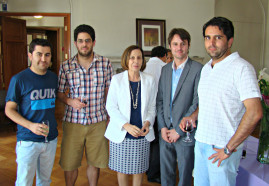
(61, 51)
(55, 37)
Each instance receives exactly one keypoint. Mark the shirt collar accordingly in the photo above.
(96, 57)
(180, 66)
(222, 62)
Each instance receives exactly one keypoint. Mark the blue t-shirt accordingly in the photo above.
(35, 95)
(136, 118)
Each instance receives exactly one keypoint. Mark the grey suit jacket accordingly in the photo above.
(185, 100)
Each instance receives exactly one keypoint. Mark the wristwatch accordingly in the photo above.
(227, 151)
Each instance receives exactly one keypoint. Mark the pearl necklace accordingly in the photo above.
(136, 100)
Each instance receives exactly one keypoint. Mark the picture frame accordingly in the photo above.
(150, 33)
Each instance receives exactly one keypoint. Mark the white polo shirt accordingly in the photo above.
(221, 92)
(154, 67)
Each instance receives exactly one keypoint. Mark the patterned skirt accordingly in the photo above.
(130, 156)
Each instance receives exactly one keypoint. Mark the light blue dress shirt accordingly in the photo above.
(175, 79)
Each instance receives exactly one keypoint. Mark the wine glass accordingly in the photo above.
(46, 122)
(244, 152)
(188, 128)
(83, 99)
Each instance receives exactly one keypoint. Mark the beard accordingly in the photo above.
(87, 54)
(217, 54)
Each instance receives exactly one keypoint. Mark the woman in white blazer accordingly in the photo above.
(131, 103)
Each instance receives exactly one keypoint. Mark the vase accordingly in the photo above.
(263, 149)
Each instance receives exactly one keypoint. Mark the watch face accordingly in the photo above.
(226, 151)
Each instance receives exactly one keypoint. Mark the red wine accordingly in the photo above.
(188, 128)
(244, 153)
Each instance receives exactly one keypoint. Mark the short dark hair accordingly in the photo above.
(183, 34)
(224, 24)
(84, 28)
(126, 57)
(41, 42)
(158, 51)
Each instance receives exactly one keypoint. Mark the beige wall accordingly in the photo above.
(59, 6)
(266, 50)
(248, 20)
(114, 20)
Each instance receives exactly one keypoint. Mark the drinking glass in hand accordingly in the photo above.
(84, 100)
(46, 122)
(188, 128)
(244, 152)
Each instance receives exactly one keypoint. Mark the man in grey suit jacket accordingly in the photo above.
(177, 97)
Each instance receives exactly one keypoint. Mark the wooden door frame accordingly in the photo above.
(67, 26)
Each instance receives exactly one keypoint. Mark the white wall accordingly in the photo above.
(247, 17)
(266, 56)
(59, 6)
(114, 20)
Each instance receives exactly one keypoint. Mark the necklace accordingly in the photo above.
(135, 103)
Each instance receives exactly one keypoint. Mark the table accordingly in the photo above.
(251, 172)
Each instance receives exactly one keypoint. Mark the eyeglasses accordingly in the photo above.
(82, 41)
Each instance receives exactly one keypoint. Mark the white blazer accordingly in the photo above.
(118, 105)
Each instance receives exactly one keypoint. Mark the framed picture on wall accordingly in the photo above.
(149, 34)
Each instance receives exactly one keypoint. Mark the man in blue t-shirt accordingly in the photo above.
(30, 102)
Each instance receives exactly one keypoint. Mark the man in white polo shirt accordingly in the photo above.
(154, 67)
(156, 62)
(229, 107)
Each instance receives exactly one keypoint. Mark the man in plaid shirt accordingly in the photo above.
(83, 85)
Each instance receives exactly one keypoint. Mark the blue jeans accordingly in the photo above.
(35, 157)
(208, 174)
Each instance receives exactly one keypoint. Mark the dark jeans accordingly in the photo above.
(154, 158)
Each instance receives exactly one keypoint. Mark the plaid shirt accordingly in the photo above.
(76, 81)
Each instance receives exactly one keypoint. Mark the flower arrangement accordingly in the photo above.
(263, 150)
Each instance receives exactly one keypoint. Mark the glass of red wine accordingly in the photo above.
(83, 99)
(188, 128)
(244, 152)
